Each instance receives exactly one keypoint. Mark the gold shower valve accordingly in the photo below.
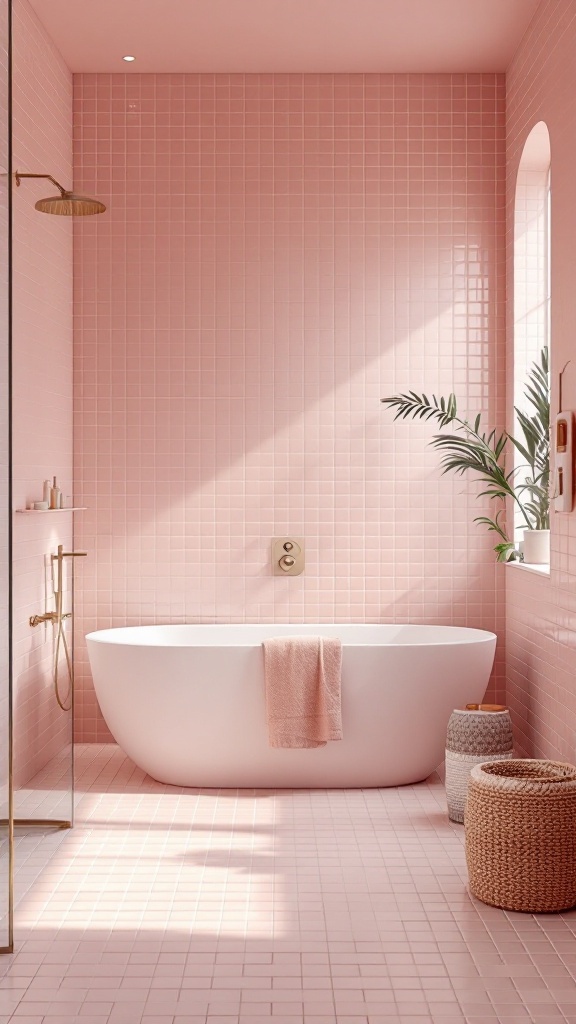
(288, 556)
(36, 620)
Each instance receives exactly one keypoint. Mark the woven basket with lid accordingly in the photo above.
(477, 733)
(520, 826)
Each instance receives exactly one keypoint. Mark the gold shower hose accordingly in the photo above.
(63, 702)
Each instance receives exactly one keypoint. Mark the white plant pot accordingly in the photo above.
(537, 547)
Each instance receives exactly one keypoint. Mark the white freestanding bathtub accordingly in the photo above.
(186, 703)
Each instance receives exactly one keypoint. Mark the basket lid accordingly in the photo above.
(485, 707)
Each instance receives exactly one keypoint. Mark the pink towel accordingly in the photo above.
(303, 690)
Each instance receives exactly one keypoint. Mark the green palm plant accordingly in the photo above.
(472, 449)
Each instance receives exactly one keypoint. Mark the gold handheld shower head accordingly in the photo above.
(67, 204)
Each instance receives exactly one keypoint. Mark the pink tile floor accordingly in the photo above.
(175, 906)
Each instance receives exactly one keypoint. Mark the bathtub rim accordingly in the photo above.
(461, 635)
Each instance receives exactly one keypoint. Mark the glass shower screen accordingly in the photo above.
(6, 824)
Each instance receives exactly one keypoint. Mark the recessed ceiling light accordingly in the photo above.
(129, 58)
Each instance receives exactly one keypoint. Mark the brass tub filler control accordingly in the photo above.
(288, 556)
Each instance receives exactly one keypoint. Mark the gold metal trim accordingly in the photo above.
(37, 823)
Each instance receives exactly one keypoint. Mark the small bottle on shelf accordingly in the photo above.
(55, 495)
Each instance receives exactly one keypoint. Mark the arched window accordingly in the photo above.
(531, 262)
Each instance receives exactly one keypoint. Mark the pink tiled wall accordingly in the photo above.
(42, 375)
(281, 251)
(541, 638)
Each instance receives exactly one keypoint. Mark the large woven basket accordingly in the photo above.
(520, 826)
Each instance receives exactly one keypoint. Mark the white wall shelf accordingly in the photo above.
(49, 511)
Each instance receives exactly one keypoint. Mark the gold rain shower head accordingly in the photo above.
(67, 204)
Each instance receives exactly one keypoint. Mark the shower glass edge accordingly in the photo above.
(6, 775)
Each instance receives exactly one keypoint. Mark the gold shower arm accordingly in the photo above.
(19, 175)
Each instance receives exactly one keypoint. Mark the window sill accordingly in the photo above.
(540, 570)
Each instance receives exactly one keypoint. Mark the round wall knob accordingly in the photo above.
(288, 545)
(287, 561)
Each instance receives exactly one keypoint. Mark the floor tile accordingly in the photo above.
(188, 906)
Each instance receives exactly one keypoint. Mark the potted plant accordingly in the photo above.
(469, 448)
